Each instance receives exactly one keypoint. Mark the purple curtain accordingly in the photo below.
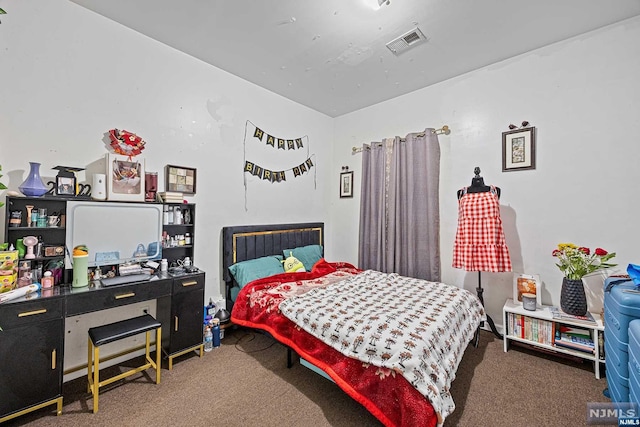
(399, 208)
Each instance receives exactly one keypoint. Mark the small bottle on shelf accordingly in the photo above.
(47, 280)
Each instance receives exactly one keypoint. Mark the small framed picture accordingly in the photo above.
(527, 284)
(346, 184)
(180, 179)
(519, 149)
(124, 178)
(65, 185)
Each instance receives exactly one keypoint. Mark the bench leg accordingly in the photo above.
(158, 353)
(96, 378)
(89, 364)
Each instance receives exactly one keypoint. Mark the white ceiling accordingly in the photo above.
(330, 55)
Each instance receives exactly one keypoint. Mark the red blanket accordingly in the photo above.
(386, 394)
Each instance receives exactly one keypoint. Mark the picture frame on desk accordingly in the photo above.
(527, 284)
(65, 186)
(125, 178)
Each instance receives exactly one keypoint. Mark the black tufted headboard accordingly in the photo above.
(245, 242)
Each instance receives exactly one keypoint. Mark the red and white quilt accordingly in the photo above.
(417, 328)
(392, 343)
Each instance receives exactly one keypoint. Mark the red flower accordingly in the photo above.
(556, 252)
(584, 250)
(601, 252)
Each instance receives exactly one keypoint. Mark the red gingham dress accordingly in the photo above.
(480, 243)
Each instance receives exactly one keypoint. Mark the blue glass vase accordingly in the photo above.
(33, 185)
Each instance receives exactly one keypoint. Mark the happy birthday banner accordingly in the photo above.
(270, 175)
(276, 176)
(275, 142)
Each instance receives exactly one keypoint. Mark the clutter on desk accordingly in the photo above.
(19, 292)
(8, 270)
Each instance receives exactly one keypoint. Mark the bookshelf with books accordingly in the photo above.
(549, 329)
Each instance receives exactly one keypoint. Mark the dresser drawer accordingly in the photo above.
(188, 283)
(37, 310)
(104, 298)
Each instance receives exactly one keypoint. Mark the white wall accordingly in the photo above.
(69, 75)
(583, 97)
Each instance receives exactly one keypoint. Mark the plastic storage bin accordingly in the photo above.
(634, 361)
(621, 307)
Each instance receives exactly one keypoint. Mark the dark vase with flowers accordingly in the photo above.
(575, 262)
(573, 299)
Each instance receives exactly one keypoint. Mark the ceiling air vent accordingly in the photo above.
(406, 41)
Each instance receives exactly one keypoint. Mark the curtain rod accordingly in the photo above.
(444, 130)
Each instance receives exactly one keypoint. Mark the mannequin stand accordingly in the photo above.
(492, 325)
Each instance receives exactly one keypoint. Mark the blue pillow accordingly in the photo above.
(248, 271)
(308, 255)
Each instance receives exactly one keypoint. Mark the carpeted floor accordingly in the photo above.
(245, 382)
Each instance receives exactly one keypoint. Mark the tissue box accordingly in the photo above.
(8, 270)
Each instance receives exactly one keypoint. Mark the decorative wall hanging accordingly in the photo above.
(519, 148)
(271, 175)
(291, 148)
(280, 143)
(124, 178)
(126, 143)
(179, 178)
(277, 176)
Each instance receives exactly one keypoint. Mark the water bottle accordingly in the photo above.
(216, 333)
(211, 308)
(208, 339)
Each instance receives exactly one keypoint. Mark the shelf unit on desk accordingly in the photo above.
(544, 313)
(179, 252)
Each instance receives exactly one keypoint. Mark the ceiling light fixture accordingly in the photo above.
(376, 4)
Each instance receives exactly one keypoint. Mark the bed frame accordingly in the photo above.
(242, 243)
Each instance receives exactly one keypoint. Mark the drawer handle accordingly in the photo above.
(190, 283)
(175, 323)
(53, 359)
(31, 313)
(130, 294)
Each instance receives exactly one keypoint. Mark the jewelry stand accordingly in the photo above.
(492, 325)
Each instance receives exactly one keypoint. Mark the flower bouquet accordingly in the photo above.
(575, 262)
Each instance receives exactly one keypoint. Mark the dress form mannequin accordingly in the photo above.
(477, 185)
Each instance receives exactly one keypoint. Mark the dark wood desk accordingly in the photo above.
(32, 335)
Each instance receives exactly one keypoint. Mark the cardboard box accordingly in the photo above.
(8, 270)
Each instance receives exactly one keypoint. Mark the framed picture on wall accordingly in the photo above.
(346, 184)
(180, 179)
(519, 149)
(124, 178)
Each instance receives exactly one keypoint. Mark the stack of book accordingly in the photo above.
(559, 315)
(171, 197)
(574, 339)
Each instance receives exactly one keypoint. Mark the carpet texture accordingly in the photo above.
(245, 382)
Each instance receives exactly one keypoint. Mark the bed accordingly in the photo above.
(391, 343)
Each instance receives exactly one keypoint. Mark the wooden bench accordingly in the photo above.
(105, 334)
